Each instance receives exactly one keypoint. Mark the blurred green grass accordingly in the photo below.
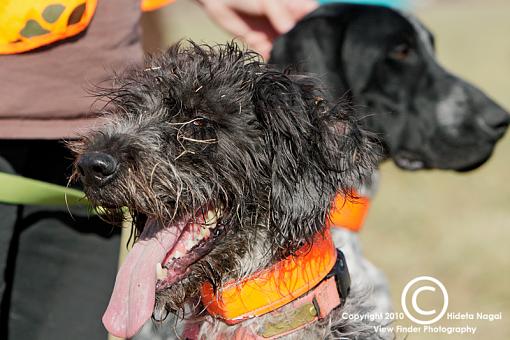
(455, 227)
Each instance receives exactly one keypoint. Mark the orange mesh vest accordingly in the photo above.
(28, 24)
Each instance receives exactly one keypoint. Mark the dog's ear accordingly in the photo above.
(360, 52)
(339, 42)
(313, 151)
(313, 45)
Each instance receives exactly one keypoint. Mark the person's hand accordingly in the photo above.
(257, 22)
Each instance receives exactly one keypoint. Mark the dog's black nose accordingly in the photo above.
(495, 122)
(96, 167)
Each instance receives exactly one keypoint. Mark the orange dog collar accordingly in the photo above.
(271, 288)
(349, 213)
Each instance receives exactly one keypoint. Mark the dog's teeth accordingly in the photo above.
(178, 254)
(159, 314)
(161, 273)
(212, 219)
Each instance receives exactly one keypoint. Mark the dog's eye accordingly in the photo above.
(199, 122)
(400, 52)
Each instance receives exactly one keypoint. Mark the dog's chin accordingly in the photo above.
(465, 161)
(474, 165)
(456, 160)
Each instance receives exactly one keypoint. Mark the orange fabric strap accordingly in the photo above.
(318, 304)
(349, 213)
(152, 5)
(274, 287)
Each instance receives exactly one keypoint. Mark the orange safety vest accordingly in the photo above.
(28, 24)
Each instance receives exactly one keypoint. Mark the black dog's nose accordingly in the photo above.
(495, 122)
(96, 167)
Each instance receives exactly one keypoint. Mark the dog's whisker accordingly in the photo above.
(184, 152)
(154, 68)
(152, 174)
(205, 141)
(183, 123)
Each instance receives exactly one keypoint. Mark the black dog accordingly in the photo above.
(383, 61)
(228, 167)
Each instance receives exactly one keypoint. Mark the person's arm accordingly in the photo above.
(257, 22)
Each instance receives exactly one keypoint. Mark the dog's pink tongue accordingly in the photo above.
(134, 294)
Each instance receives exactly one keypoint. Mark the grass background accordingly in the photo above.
(455, 227)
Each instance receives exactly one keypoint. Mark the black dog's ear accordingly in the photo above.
(360, 52)
(327, 43)
(313, 151)
(313, 45)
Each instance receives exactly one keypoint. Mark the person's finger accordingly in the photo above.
(300, 8)
(259, 42)
(278, 15)
(283, 14)
(252, 7)
(226, 17)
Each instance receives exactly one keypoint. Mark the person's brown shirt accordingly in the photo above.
(44, 94)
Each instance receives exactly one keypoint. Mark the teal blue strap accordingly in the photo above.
(387, 3)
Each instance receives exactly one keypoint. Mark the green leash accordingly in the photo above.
(16, 189)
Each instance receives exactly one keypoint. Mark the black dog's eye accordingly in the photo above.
(400, 52)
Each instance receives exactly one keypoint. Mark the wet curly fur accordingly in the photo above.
(200, 126)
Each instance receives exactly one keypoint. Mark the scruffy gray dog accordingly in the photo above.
(228, 167)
